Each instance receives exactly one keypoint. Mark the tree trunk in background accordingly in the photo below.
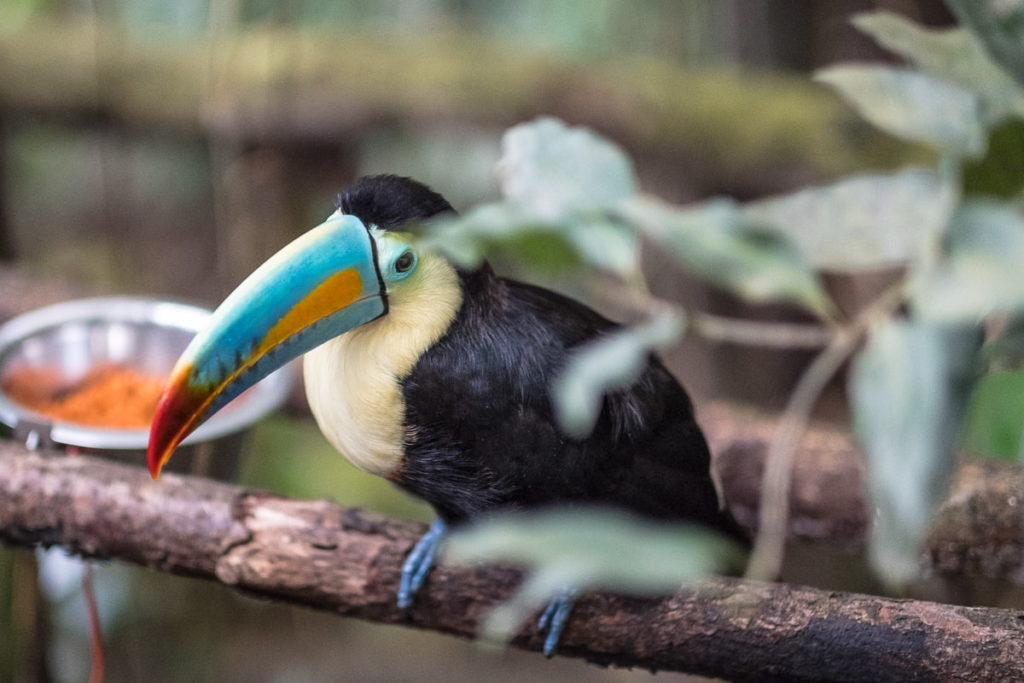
(776, 33)
(804, 35)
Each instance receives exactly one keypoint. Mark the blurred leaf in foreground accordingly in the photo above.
(981, 273)
(503, 228)
(604, 365)
(862, 222)
(912, 106)
(559, 185)
(469, 238)
(908, 391)
(1000, 26)
(711, 240)
(955, 55)
(995, 416)
(553, 171)
(587, 549)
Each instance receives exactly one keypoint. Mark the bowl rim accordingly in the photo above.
(266, 396)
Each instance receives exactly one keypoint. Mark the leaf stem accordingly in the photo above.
(769, 546)
(723, 329)
(756, 333)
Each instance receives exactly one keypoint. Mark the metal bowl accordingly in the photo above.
(147, 335)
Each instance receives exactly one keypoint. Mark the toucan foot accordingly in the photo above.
(554, 616)
(419, 562)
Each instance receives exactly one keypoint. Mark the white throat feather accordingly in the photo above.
(353, 382)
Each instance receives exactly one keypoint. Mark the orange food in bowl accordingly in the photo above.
(112, 396)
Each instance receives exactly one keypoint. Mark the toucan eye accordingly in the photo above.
(404, 262)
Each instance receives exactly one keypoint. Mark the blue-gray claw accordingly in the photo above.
(553, 618)
(419, 562)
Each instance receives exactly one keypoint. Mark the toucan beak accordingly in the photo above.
(319, 286)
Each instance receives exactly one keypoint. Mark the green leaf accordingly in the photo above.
(982, 271)
(606, 364)
(467, 239)
(955, 55)
(553, 172)
(584, 549)
(864, 221)
(559, 184)
(1001, 172)
(711, 240)
(908, 389)
(995, 416)
(507, 229)
(1000, 26)
(912, 106)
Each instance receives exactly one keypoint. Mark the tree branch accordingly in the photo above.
(317, 554)
(978, 531)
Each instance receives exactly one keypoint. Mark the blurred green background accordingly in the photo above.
(167, 148)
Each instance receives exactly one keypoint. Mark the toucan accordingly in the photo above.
(437, 378)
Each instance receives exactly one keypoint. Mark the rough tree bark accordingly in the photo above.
(978, 530)
(317, 554)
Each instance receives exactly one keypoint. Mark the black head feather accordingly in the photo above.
(387, 201)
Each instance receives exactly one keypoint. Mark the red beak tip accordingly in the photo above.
(154, 462)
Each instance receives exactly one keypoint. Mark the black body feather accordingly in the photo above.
(481, 432)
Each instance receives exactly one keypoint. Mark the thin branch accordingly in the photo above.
(769, 546)
(756, 333)
(317, 554)
(637, 300)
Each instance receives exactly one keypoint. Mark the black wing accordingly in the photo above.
(482, 435)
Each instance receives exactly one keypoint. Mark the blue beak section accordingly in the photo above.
(316, 288)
